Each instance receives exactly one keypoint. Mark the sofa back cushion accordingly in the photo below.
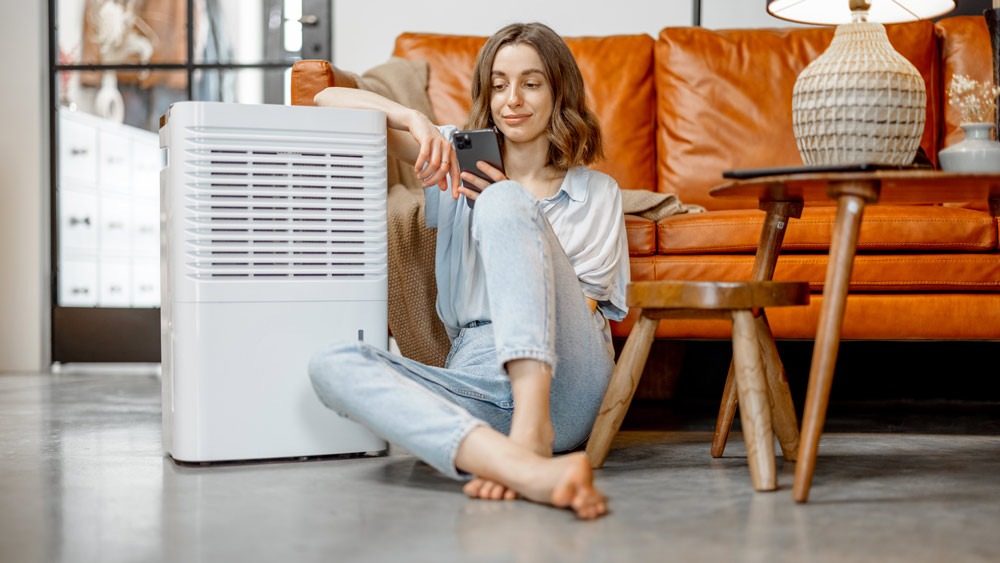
(618, 75)
(965, 49)
(724, 100)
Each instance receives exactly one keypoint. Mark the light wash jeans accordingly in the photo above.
(538, 311)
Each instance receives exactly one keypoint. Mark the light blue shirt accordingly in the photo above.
(586, 216)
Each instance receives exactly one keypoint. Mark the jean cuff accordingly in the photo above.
(452, 449)
(544, 356)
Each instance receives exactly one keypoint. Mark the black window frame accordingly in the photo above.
(113, 335)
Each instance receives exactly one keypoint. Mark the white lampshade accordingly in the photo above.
(836, 12)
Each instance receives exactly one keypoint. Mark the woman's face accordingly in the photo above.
(521, 101)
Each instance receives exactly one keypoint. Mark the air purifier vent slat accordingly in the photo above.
(264, 204)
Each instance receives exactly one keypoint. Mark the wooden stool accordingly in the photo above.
(760, 384)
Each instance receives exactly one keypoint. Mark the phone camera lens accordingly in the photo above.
(462, 142)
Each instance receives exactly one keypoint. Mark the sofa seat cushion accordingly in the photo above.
(724, 98)
(872, 272)
(617, 74)
(883, 228)
(641, 235)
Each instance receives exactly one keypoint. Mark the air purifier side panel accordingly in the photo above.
(245, 391)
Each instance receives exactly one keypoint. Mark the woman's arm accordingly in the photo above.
(411, 136)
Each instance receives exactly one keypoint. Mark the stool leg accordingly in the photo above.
(620, 389)
(755, 411)
(786, 426)
(727, 410)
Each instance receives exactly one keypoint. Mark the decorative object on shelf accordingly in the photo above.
(993, 23)
(860, 101)
(121, 37)
(109, 103)
(978, 103)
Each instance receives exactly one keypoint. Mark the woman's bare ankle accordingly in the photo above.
(536, 437)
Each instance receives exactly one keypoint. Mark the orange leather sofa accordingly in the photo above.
(679, 110)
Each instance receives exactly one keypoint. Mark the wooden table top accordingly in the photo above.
(896, 186)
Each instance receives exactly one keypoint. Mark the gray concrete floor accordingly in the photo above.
(83, 478)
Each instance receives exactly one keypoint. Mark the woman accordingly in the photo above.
(526, 282)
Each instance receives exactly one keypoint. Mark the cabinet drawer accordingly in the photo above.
(77, 154)
(78, 221)
(77, 283)
(146, 168)
(145, 228)
(115, 225)
(115, 283)
(115, 161)
(146, 282)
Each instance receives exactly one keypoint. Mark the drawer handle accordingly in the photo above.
(79, 291)
(78, 151)
(146, 287)
(116, 225)
(73, 221)
(115, 289)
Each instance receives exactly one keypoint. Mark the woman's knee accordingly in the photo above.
(332, 369)
(502, 204)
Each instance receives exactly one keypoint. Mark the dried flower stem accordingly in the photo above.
(976, 100)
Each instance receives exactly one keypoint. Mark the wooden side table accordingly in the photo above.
(852, 191)
(778, 411)
(766, 402)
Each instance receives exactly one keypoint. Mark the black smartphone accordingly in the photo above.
(474, 145)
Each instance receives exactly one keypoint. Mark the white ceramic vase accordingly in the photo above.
(977, 153)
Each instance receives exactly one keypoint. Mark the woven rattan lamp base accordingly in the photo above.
(860, 101)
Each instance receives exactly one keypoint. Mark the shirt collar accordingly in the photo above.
(575, 184)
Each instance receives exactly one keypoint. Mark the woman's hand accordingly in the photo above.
(494, 173)
(436, 157)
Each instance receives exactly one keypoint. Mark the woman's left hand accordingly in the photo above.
(469, 178)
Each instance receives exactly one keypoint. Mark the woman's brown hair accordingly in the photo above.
(574, 132)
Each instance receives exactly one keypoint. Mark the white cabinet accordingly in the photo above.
(108, 209)
(78, 283)
(78, 223)
(114, 167)
(77, 154)
(115, 289)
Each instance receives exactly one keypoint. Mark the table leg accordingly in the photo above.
(727, 411)
(850, 207)
(772, 234)
(621, 388)
(786, 426)
(755, 410)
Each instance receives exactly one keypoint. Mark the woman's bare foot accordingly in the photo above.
(488, 490)
(567, 482)
(538, 441)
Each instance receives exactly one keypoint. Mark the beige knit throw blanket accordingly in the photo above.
(413, 316)
(655, 205)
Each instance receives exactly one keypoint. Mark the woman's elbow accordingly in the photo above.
(320, 99)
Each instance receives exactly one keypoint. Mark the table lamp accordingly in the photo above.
(860, 101)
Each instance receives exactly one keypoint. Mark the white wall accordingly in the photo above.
(732, 14)
(365, 31)
(23, 185)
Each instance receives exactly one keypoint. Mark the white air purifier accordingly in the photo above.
(273, 228)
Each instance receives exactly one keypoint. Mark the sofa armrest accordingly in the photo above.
(311, 77)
